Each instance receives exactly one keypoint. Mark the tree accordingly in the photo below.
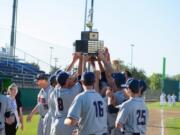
(53, 70)
(35, 65)
(118, 65)
(139, 74)
(176, 77)
(155, 81)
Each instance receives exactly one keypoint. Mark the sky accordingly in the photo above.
(153, 26)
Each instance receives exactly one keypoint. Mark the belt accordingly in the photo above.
(102, 134)
(135, 133)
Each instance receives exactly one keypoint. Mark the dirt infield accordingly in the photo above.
(154, 125)
(156, 117)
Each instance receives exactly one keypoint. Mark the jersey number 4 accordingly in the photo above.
(141, 117)
(99, 109)
(60, 104)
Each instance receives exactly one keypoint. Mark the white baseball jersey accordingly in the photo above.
(63, 98)
(49, 117)
(42, 108)
(43, 101)
(90, 109)
(4, 107)
(133, 115)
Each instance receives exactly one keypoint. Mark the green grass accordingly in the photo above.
(156, 105)
(173, 126)
(29, 128)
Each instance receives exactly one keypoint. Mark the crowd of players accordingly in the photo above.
(170, 98)
(98, 102)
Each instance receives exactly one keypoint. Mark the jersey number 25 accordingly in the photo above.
(141, 117)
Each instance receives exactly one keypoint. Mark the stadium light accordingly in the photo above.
(132, 45)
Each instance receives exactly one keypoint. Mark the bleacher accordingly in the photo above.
(23, 74)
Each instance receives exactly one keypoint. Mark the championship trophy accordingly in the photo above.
(89, 43)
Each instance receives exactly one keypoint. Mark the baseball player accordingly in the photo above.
(63, 97)
(133, 113)
(49, 117)
(6, 115)
(42, 105)
(88, 109)
(119, 97)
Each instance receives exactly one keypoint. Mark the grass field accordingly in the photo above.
(172, 120)
(156, 105)
(171, 117)
(173, 125)
(29, 128)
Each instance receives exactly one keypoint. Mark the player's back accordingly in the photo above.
(136, 114)
(64, 98)
(93, 114)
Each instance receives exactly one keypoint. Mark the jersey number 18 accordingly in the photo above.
(99, 109)
(60, 104)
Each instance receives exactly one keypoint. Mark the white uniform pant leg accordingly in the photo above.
(47, 124)
(2, 132)
(40, 126)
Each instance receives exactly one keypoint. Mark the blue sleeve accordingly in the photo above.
(75, 108)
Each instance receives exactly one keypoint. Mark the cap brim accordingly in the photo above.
(124, 86)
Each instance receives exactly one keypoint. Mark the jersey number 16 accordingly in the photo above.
(99, 109)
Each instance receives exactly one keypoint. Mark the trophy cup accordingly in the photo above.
(89, 43)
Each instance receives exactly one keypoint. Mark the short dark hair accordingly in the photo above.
(128, 73)
(88, 78)
(119, 79)
(62, 78)
(52, 80)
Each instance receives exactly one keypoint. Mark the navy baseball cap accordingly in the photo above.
(52, 79)
(88, 78)
(119, 79)
(62, 77)
(133, 85)
(41, 77)
(142, 86)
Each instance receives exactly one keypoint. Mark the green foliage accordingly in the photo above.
(155, 81)
(138, 73)
(35, 65)
(176, 77)
(53, 70)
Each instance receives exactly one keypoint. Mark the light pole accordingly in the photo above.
(55, 64)
(132, 45)
(51, 55)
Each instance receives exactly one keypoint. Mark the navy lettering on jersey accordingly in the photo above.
(99, 109)
(60, 104)
(141, 117)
